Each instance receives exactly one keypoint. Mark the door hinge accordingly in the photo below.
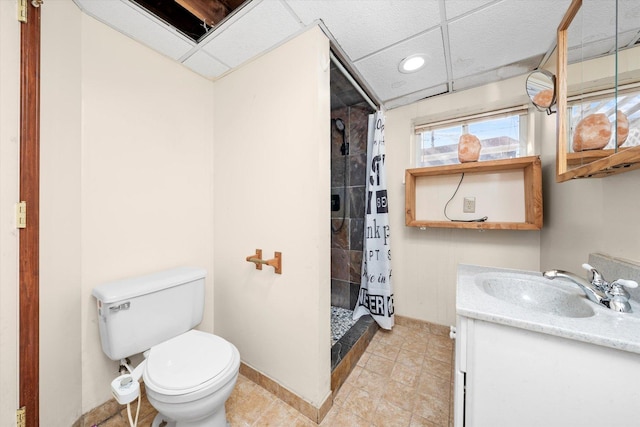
(21, 215)
(22, 10)
(21, 417)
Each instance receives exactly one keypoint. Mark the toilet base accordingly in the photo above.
(215, 421)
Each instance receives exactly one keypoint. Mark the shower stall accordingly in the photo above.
(348, 186)
(349, 123)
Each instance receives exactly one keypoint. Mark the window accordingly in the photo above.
(502, 134)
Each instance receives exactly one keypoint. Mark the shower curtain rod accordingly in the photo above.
(355, 84)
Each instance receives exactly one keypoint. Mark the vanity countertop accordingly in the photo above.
(606, 327)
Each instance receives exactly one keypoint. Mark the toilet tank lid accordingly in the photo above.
(135, 286)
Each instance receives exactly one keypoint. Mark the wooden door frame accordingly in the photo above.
(29, 264)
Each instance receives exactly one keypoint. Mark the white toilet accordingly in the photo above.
(188, 374)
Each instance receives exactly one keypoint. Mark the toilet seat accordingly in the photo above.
(188, 363)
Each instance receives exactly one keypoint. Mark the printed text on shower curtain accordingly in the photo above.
(376, 291)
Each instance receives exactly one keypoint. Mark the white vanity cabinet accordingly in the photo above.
(508, 376)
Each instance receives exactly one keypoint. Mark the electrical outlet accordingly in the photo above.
(469, 205)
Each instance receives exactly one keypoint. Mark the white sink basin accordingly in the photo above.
(526, 300)
(534, 293)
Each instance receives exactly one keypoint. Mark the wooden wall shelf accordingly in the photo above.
(600, 163)
(532, 181)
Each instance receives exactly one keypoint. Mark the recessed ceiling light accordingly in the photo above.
(412, 63)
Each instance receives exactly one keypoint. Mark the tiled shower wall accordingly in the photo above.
(346, 244)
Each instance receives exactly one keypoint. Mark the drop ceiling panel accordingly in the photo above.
(629, 15)
(413, 97)
(205, 65)
(599, 48)
(591, 50)
(593, 29)
(497, 74)
(479, 44)
(363, 27)
(254, 32)
(135, 23)
(381, 70)
(594, 21)
(455, 8)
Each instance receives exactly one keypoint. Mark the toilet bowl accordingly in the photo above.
(188, 374)
(188, 379)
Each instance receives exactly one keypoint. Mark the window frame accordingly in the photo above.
(525, 130)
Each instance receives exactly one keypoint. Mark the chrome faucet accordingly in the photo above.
(597, 289)
(593, 292)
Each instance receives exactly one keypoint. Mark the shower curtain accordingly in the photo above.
(376, 290)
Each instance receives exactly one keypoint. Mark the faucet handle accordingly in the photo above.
(596, 278)
(631, 284)
(619, 297)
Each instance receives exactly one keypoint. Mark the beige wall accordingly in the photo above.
(272, 167)
(60, 216)
(147, 182)
(9, 159)
(424, 262)
(127, 171)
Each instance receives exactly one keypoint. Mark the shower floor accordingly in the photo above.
(341, 322)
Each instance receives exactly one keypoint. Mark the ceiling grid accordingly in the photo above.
(466, 43)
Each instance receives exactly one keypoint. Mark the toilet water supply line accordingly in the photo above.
(126, 388)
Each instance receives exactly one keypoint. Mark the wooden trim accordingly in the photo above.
(532, 177)
(581, 158)
(476, 225)
(561, 81)
(625, 160)
(573, 9)
(433, 328)
(29, 303)
(409, 197)
(533, 194)
(471, 167)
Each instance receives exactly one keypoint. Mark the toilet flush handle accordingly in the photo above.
(123, 306)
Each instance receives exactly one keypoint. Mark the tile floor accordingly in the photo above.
(403, 379)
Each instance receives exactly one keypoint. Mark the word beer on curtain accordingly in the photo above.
(376, 293)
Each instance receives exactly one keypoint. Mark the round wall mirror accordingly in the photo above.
(541, 88)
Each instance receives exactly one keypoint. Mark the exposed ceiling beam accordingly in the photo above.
(208, 11)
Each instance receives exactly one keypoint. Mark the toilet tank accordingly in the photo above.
(137, 313)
